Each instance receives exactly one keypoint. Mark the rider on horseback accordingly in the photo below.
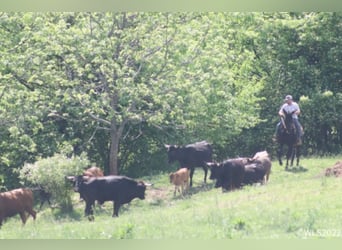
(290, 107)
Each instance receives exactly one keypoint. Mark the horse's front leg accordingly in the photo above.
(280, 152)
(293, 154)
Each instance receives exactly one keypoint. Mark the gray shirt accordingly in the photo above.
(289, 108)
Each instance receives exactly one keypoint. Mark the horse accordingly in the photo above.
(287, 136)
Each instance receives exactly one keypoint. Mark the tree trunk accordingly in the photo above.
(115, 135)
(114, 149)
(113, 154)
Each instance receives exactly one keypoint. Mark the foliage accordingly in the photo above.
(50, 174)
(324, 133)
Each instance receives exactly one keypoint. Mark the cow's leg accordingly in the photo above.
(42, 201)
(205, 173)
(49, 202)
(266, 177)
(186, 186)
(89, 208)
(116, 206)
(226, 186)
(218, 183)
(32, 212)
(23, 217)
(192, 170)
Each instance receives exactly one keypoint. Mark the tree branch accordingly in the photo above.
(22, 81)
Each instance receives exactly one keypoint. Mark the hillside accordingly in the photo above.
(294, 204)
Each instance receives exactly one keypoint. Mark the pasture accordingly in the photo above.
(294, 204)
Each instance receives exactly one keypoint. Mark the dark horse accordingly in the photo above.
(287, 136)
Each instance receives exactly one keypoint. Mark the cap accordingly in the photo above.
(288, 97)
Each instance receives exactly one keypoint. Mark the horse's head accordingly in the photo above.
(288, 121)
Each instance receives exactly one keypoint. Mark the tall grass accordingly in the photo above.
(294, 204)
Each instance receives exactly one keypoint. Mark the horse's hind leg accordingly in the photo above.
(298, 155)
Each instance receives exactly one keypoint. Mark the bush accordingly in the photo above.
(50, 174)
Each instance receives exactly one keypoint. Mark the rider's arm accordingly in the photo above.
(281, 113)
(298, 110)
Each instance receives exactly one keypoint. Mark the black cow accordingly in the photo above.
(119, 189)
(254, 173)
(191, 156)
(44, 196)
(228, 174)
(258, 168)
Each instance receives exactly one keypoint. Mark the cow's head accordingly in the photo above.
(214, 170)
(215, 173)
(77, 181)
(141, 188)
(171, 176)
(172, 153)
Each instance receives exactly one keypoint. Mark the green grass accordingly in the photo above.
(294, 204)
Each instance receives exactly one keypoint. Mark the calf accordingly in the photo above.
(93, 172)
(17, 201)
(119, 189)
(180, 179)
(229, 174)
(44, 196)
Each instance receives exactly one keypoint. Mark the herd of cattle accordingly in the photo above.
(94, 186)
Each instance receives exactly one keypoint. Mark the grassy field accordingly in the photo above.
(294, 204)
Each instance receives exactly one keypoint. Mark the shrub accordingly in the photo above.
(50, 174)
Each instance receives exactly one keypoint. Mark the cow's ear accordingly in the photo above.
(142, 183)
(171, 147)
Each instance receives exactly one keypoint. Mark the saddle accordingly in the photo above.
(287, 130)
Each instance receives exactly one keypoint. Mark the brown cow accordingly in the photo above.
(93, 172)
(17, 201)
(180, 179)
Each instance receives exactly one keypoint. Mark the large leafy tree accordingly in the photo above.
(96, 78)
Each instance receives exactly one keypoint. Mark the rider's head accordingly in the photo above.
(288, 99)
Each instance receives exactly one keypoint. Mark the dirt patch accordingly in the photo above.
(157, 195)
